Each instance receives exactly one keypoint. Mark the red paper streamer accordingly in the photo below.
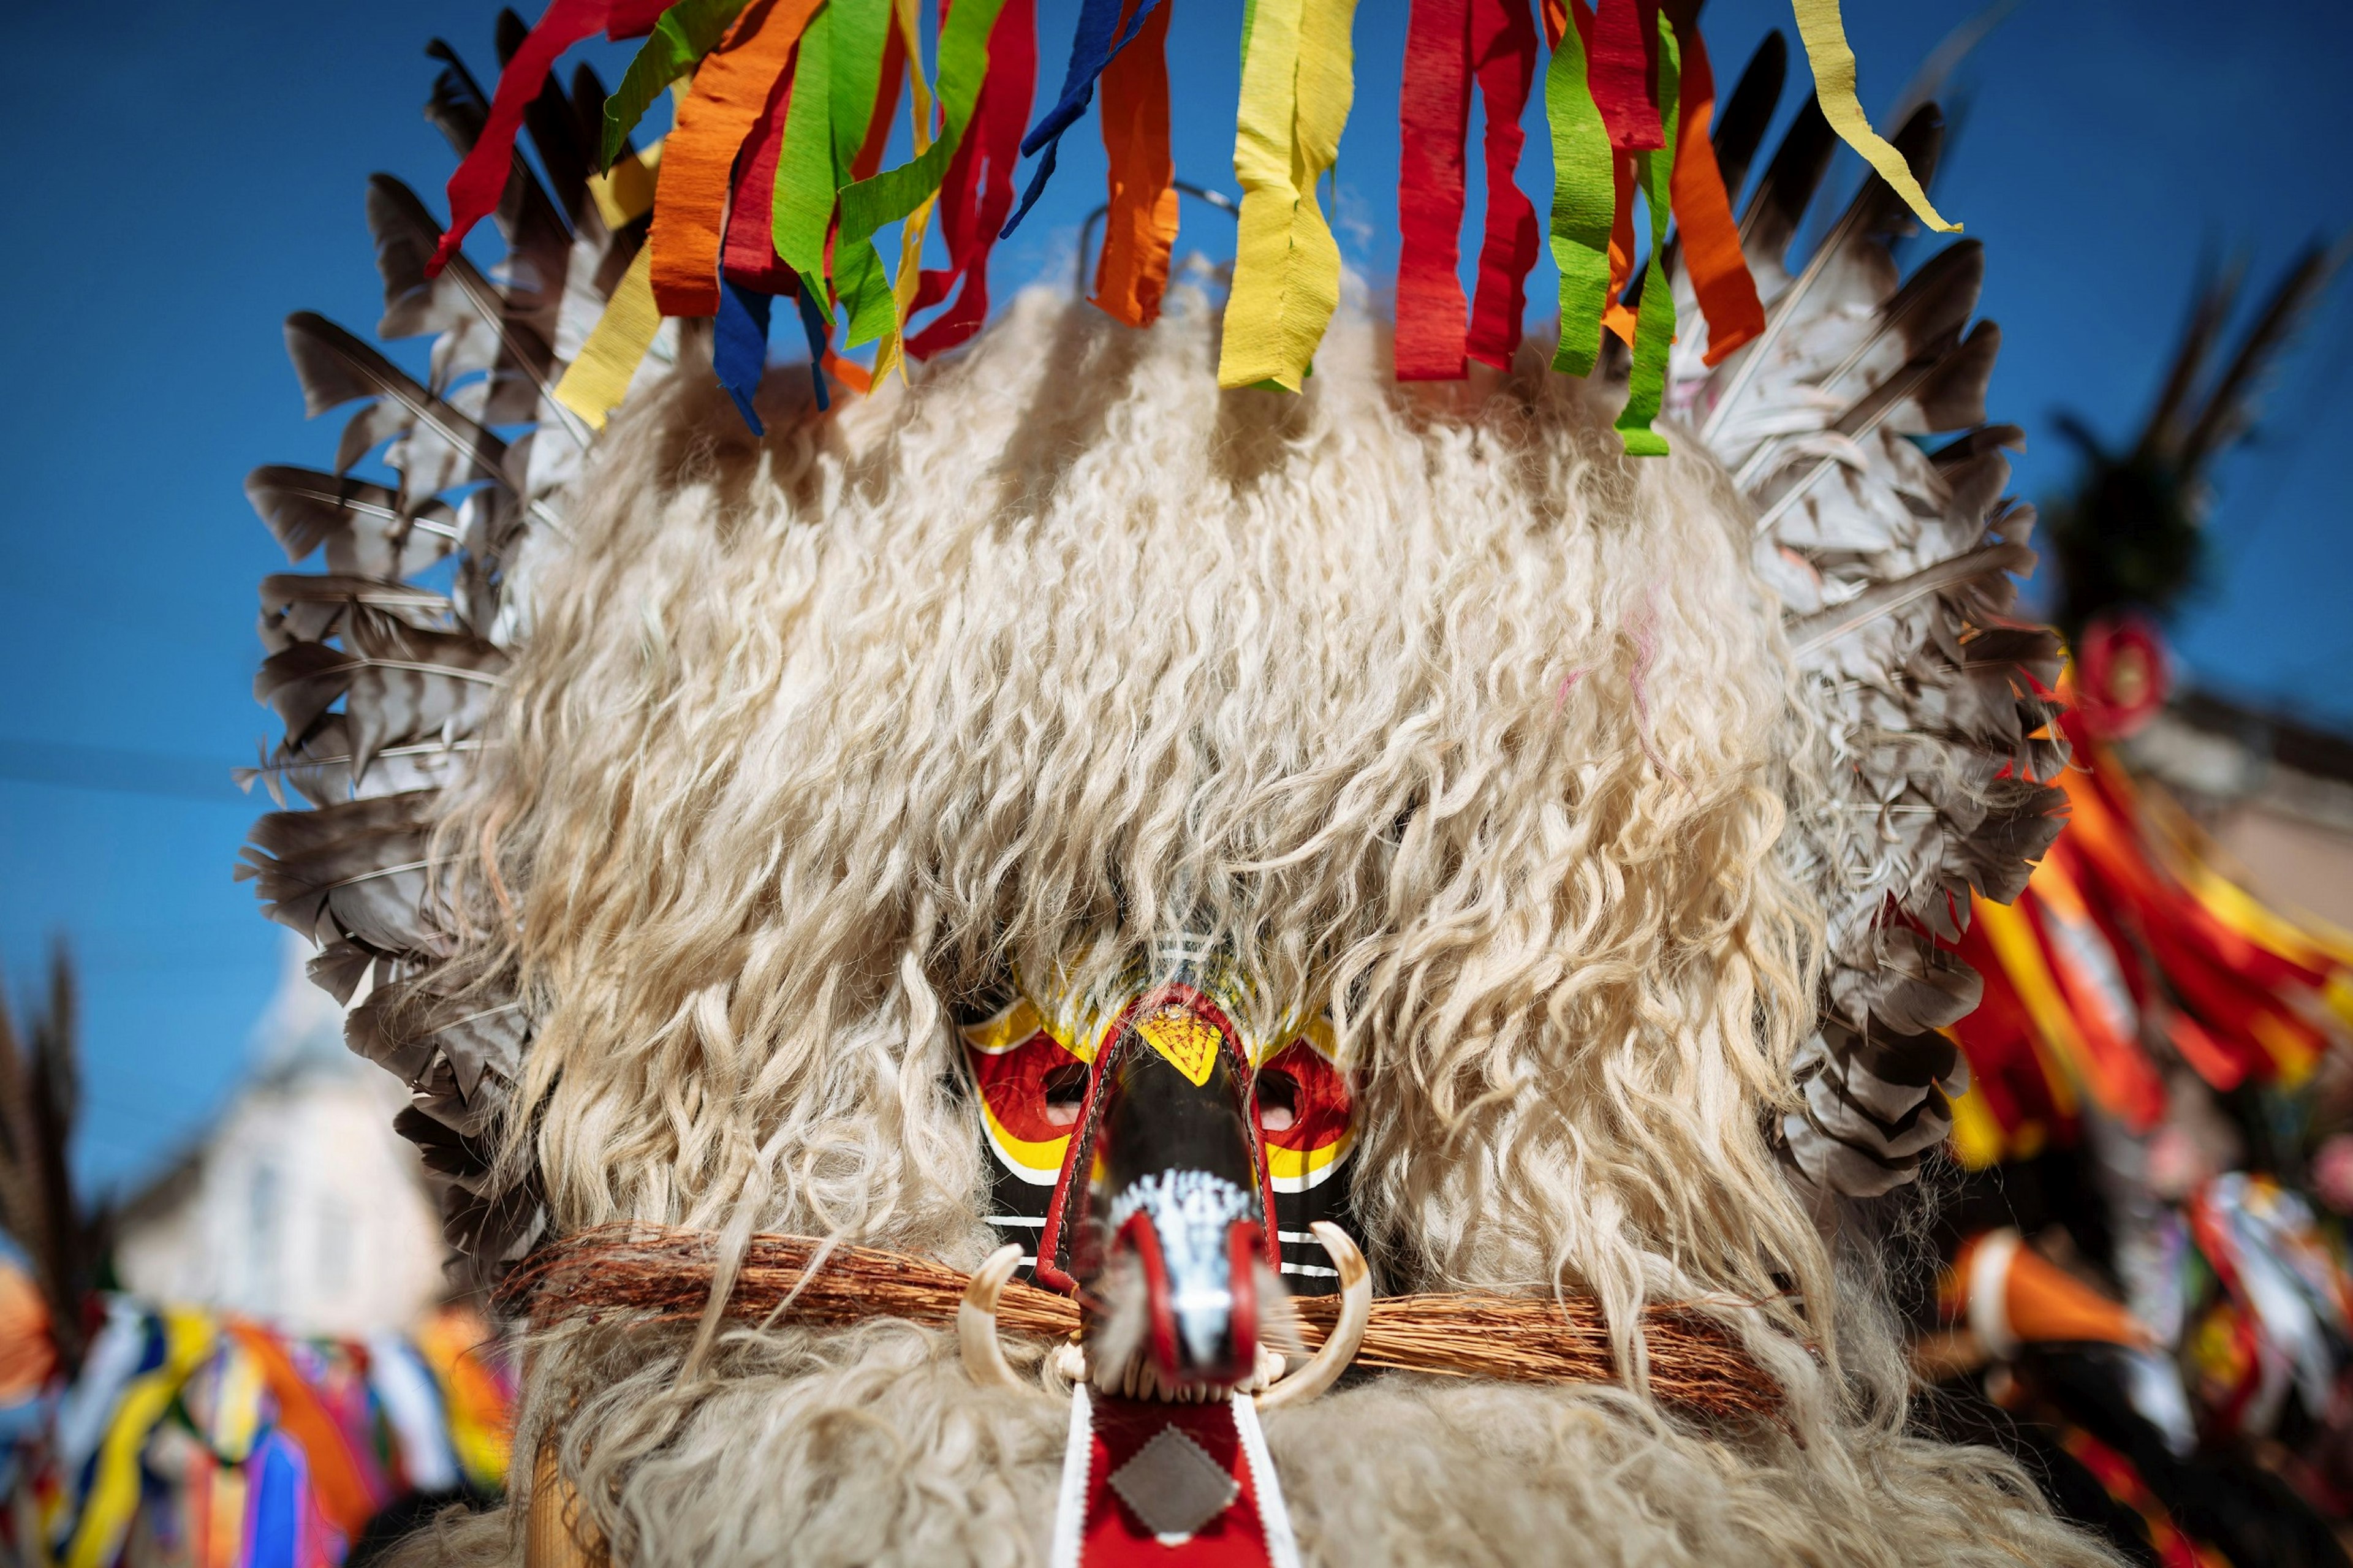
(1711, 239)
(1449, 44)
(749, 256)
(1140, 232)
(1504, 54)
(886, 104)
(481, 179)
(1433, 108)
(634, 18)
(977, 193)
(1619, 67)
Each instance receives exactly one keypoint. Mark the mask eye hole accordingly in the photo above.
(1066, 1093)
(1277, 1101)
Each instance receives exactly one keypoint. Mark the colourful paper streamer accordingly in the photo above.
(1140, 227)
(907, 281)
(1711, 238)
(1584, 199)
(1433, 114)
(683, 34)
(801, 207)
(731, 89)
(748, 256)
(1620, 68)
(1297, 80)
(482, 177)
(739, 348)
(1504, 59)
(1646, 388)
(1824, 32)
(596, 382)
(1097, 40)
(869, 204)
(978, 192)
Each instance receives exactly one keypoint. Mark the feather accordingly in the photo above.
(339, 967)
(300, 609)
(2210, 301)
(1852, 262)
(1742, 118)
(1770, 220)
(1815, 633)
(401, 684)
(319, 766)
(402, 1026)
(1916, 988)
(1841, 1114)
(2230, 408)
(482, 329)
(336, 368)
(358, 869)
(362, 526)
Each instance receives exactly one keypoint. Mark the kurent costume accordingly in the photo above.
(1107, 952)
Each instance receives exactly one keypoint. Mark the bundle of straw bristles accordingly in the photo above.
(647, 1274)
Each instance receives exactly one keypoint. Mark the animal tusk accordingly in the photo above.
(984, 1358)
(555, 1534)
(1326, 1364)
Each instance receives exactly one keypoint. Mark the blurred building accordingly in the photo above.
(2276, 792)
(300, 1207)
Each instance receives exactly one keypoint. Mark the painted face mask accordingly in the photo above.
(1084, 1097)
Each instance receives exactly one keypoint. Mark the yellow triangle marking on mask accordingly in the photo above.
(1189, 1043)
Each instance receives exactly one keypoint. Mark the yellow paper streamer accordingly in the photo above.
(1298, 76)
(1824, 31)
(594, 383)
(626, 194)
(891, 356)
(115, 1489)
(2056, 1042)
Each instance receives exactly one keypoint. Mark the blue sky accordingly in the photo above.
(198, 175)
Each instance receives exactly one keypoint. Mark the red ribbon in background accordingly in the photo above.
(977, 195)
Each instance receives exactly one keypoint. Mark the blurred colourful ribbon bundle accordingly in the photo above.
(772, 184)
(196, 1439)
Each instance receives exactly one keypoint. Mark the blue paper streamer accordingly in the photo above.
(813, 322)
(1092, 48)
(739, 346)
(274, 1533)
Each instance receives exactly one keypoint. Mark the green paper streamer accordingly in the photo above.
(860, 29)
(805, 173)
(868, 205)
(1584, 201)
(1654, 329)
(686, 32)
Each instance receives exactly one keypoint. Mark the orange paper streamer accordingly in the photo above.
(1140, 232)
(699, 156)
(342, 1492)
(1711, 239)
